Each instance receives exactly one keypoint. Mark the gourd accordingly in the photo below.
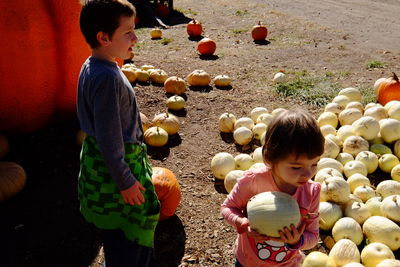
(318, 259)
(12, 179)
(374, 253)
(242, 135)
(158, 76)
(169, 122)
(244, 122)
(130, 74)
(355, 104)
(344, 157)
(327, 129)
(390, 130)
(269, 212)
(222, 81)
(335, 189)
(390, 208)
(367, 127)
(334, 108)
(264, 118)
(39, 31)
(344, 132)
(342, 100)
(354, 145)
(226, 122)
(329, 163)
(175, 85)
(364, 192)
(329, 214)
(243, 161)
(194, 28)
(353, 167)
(358, 211)
(383, 230)
(395, 173)
(221, 164)
(279, 77)
(374, 205)
(155, 33)
(328, 118)
(257, 155)
(389, 89)
(348, 116)
(259, 32)
(370, 160)
(176, 102)
(352, 93)
(168, 191)
(325, 173)
(387, 162)
(156, 136)
(146, 123)
(198, 78)
(258, 130)
(331, 149)
(389, 263)
(344, 251)
(206, 46)
(388, 188)
(377, 112)
(231, 179)
(347, 228)
(380, 149)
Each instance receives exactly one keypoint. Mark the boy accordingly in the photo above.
(115, 189)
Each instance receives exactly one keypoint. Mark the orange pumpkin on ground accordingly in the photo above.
(168, 191)
(39, 82)
(194, 28)
(389, 90)
(206, 47)
(12, 179)
(259, 32)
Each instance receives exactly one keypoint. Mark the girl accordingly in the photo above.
(292, 149)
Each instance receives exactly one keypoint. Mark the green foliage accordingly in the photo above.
(239, 31)
(241, 13)
(166, 41)
(374, 64)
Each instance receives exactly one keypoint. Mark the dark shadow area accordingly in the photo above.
(42, 225)
(176, 18)
(179, 113)
(159, 38)
(227, 88)
(195, 38)
(219, 186)
(227, 137)
(157, 84)
(208, 57)
(262, 42)
(169, 243)
(204, 89)
(174, 140)
(158, 153)
(143, 83)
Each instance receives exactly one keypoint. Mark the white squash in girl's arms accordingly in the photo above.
(331, 149)
(257, 155)
(344, 157)
(269, 212)
(358, 211)
(388, 188)
(318, 259)
(327, 129)
(352, 93)
(221, 164)
(348, 116)
(329, 213)
(256, 112)
(226, 122)
(328, 118)
(357, 180)
(383, 230)
(374, 205)
(258, 130)
(329, 163)
(378, 112)
(387, 162)
(389, 263)
(353, 167)
(364, 192)
(325, 173)
(347, 228)
(395, 173)
(243, 161)
(370, 160)
(265, 118)
(344, 251)
(231, 179)
(335, 189)
(244, 122)
(366, 127)
(344, 132)
(390, 130)
(390, 208)
(355, 104)
(354, 145)
(243, 135)
(342, 100)
(334, 108)
(374, 253)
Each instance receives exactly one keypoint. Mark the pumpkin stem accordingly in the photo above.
(395, 77)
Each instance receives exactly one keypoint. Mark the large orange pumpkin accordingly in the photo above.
(206, 47)
(389, 90)
(194, 28)
(259, 32)
(43, 51)
(168, 191)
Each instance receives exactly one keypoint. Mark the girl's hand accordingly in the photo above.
(242, 225)
(292, 235)
(133, 195)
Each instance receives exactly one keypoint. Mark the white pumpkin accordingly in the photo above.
(244, 122)
(258, 130)
(279, 77)
(380, 149)
(328, 118)
(256, 112)
(357, 180)
(370, 160)
(389, 263)
(269, 212)
(329, 213)
(352, 93)
(221, 164)
(377, 83)
(328, 129)
(156, 136)
(374, 205)
(231, 179)
(168, 122)
(358, 211)
(388, 188)
(344, 132)
(344, 157)
(325, 173)
(243, 161)
(344, 251)
(354, 145)
(390, 207)
(366, 127)
(364, 192)
(387, 162)
(390, 130)
(331, 149)
(372, 105)
(329, 163)
(377, 112)
(353, 264)
(318, 259)
(347, 228)
(342, 100)
(395, 173)
(383, 230)
(277, 111)
(257, 155)
(355, 104)
(353, 167)
(335, 189)
(396, 148)
(334, 108)
(226, 122)
(393, 109)
(374, 253)
(222, 81)
(265, 118)
(176, 102)
(242, 135)
(348, 116)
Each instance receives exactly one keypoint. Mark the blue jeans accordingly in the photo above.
(237, 263)
(121, 252)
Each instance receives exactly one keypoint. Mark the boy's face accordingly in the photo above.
(120, 44)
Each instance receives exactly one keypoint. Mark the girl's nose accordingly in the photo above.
(134, 38)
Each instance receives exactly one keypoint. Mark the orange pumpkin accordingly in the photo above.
(206, 47)
(44, 53)
(168, 191)
(12, 179)
(194, 28)
(389, 90)
(259, 32)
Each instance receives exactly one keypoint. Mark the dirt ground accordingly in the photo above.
(42, 225)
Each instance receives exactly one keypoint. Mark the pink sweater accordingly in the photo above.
(271, 253)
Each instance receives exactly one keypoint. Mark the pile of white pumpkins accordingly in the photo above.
(163, 125)
(360, 220)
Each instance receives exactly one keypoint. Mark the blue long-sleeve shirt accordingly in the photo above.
(107, 109)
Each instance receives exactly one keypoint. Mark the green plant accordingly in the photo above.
(239, 31)
(166, 41)
(374, 64)
(241, 13)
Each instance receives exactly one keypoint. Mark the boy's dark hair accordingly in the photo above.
(292, 132)
(102, 16)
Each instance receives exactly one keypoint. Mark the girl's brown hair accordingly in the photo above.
(292, 132)
(102, 16)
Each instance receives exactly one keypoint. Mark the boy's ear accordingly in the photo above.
(103, 38)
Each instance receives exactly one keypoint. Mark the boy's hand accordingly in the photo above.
(133, 194)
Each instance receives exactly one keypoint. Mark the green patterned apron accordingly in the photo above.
(101, 202)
